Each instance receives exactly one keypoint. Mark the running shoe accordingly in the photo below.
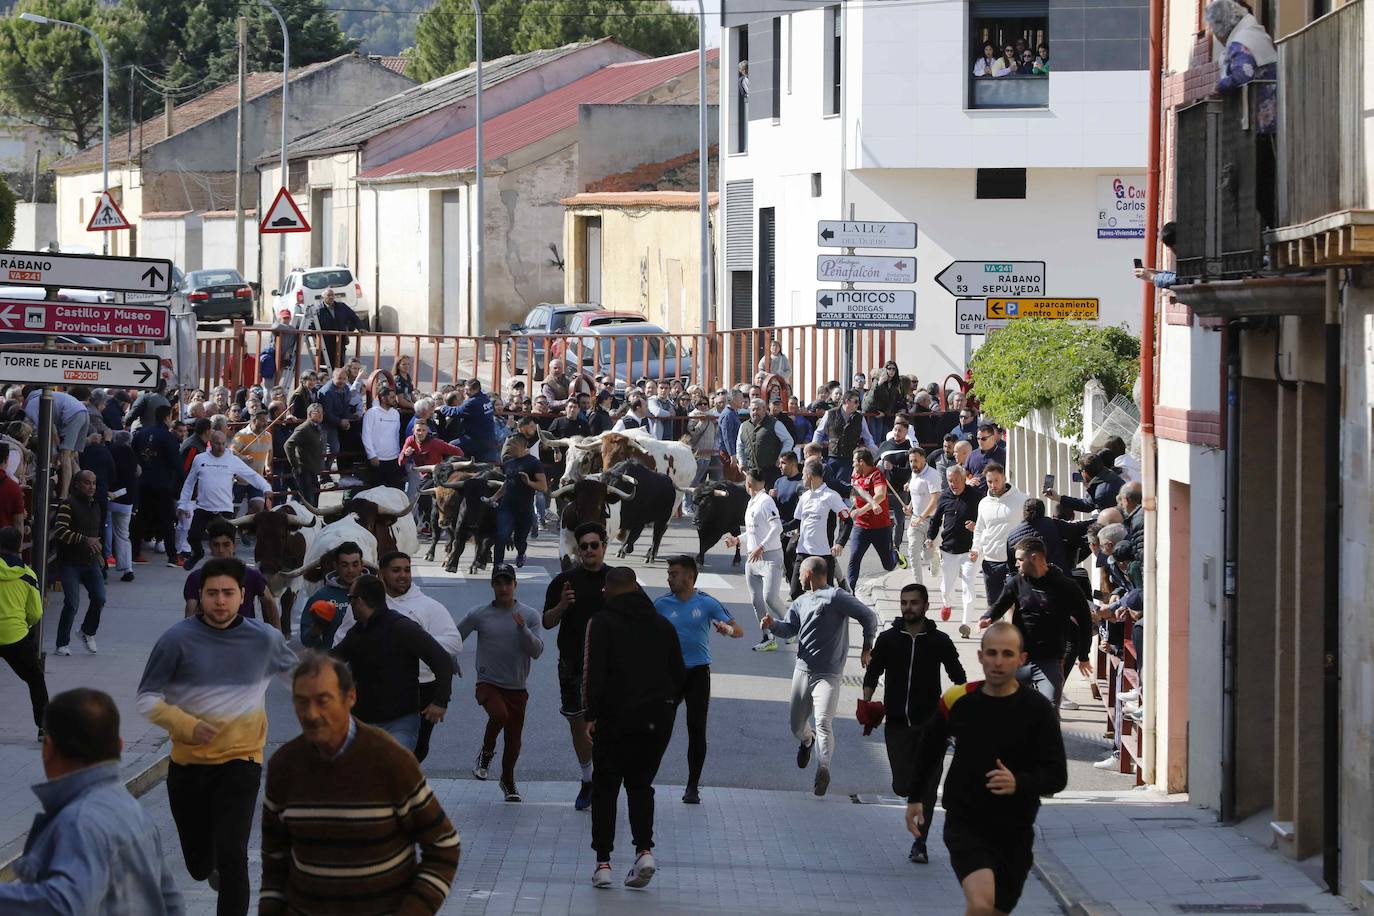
(918, 853)
(602, 876)
(767, 644)
(63, 650)
(520, 559)
(804, 754)
(822, 779)
(944, 613)
(1069, 705)
(127, 577)
(510, 791)
(479, 769)
(584, 797)
(1111, 763)
(90, 643)
(109, 561)
(642, 872)
(901, 560)
(791, 640)
(692, 796)
(1129, 695)
(964, 630)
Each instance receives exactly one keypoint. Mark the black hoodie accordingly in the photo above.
(633, 662)
(912, 664)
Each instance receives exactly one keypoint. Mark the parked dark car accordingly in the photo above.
(219, 294)
(544, 319)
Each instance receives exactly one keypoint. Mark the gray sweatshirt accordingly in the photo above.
(821, 619)
(504, 650)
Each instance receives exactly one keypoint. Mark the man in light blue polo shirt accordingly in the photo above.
(694, 614)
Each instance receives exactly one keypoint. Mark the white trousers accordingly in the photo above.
(952, 566)
(123, 550)
(812, 708)
(765, 584)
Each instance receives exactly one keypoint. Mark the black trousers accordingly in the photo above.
(425, 694)
(627, 752)
(155, 520)
(213, 806)
(903, 744)
(196, 536)
(388, 474)
(994, 579)
(22, 656)
(697, 694)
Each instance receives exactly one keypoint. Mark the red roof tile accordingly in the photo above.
(395, 63)
(541, 118)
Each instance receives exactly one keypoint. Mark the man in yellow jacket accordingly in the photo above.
(20, 608)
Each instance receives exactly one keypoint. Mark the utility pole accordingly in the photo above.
(479, 263)
(238, 148)
(703, 174)
(285, 82)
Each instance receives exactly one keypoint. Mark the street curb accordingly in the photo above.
(1064, 888)
(138, 785)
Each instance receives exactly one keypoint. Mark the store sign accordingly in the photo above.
(1121, 206)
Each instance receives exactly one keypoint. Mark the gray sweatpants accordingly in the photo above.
(812, 708)
(765, 585)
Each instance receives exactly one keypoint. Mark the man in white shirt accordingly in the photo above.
(404, 597)
(660, 408)
(924, 486)
(763, 544)
(382, 441)
(209, 491)
(998, 513)
(634, 417)
(815, 504)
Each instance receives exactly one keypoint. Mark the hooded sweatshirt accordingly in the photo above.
(432, 617)
(20, 604)
(633, 663)
(912, 664)
(324, 613)
(820, 620)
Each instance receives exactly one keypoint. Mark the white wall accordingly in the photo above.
(175, 238)
(35, 225)
(76, 197)
(217, 243)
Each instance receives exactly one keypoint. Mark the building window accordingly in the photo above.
(815, 184)
(1009, 54)
(1001, 184)
(739, 136)
(777, 69)
(833, 65)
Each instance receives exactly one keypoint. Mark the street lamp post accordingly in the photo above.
(104, 96)
(480, 271)
(285, 85)
(703, 171)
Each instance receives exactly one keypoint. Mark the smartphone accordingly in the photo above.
(1049, 483)
(1139, 263)
(1076, 476)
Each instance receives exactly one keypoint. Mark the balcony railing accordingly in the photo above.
(1010, 92)
(1322, 118)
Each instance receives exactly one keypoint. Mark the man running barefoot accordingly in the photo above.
(1008, 753)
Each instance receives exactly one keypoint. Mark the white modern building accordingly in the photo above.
(872, 111)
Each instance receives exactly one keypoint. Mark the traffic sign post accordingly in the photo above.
(84, 319)
(980, 279)
(79, 367)
(837, 233)
(860, 268)
(1066, 309)
(86, 271)
(866, 309)
(283, 216)
(970, 317)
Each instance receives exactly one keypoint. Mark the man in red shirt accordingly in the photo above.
(871, 516)
(13, 513)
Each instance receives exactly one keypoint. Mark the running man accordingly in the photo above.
(524, 477)
(816, 503)
(871, 515)
(571, 600)
(695, 614)
(1008, 753)
(763, 564)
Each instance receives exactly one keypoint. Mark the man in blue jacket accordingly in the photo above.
(336, 399)
(93, 849)
(159, 458)
(479, 424)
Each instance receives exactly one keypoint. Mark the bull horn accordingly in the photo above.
(558, 443)
(596, 477)
(621, 493)
(313, 510)
(447, 486)
(561, 490)
(496, 483)
(243, 520)
(586, 446)
(410, 509)
(464, 464)
(629, 478)
(429, 491)
(294, 521)
(294, 573)
(719, 491)
(681, 489)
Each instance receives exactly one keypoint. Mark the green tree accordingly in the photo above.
(50, 75)
(1037, 363)
(445, 35)
(7, 205)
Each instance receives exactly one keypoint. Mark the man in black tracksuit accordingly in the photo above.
(910, 653)
(633, 679)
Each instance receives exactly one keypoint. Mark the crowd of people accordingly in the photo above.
(1014, 58)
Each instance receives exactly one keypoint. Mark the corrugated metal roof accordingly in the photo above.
(360, 126)
(541, 118)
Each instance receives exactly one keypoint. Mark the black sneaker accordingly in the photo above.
(918, 853)
(479, 769)
(512, 794)
(584, 797)
(127, 577)
(692, 796)
(804, 754)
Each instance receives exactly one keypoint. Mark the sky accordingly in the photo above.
(712, 18)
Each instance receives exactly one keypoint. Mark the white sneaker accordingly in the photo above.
(1111, 763)
(1068, 704)
(1129, 696)
(767, 644)
(1131, 709)
(90, 643)
(642, 872)
(1135, 715)
(63, 650)
(602, 876)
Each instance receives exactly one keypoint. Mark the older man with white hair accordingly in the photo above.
(956, 515)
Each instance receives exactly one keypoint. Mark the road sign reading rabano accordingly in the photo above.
(979, 279)
(1070, 309)
(858, 268)
(86, 271)
(848, 233)
(84, 319)
(866, 309)
(73, 367)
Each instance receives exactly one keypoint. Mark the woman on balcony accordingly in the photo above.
(1250, 57)
(984, 65)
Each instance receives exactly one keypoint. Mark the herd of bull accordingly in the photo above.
(626, 481)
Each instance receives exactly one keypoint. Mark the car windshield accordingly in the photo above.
(561, 320)
(319, 279)
(198, 278)
(637, 348)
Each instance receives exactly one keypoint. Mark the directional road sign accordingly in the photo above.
(970, 316)
(1073, 309)
(283, 215)
(86, 271)
(71, 367)
(842, 233)
(106, 215)
(859, 268)
(979, 279)
(84, 319)
(865, 309)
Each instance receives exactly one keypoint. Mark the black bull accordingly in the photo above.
(720, 507)
(649, 501)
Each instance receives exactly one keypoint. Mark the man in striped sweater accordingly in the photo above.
(345, 808)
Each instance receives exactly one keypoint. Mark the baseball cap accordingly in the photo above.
(502, 570)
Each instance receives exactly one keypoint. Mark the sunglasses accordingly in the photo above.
(588, 545)
(984, 438)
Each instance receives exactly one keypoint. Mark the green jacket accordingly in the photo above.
(20, 603)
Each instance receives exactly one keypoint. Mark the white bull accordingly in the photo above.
(392, 501)
(331, 537)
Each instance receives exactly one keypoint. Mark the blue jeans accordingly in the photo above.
(516, 520)
(331, 438)
(73, 577)
(898, 526)
(406, 730)
(881, 541)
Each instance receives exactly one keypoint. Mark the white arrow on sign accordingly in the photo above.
(848, 233)
(980, 279)
(970, 317)
(86, 271)
(79, 367)
(865, 268)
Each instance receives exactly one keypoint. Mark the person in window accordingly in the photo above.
(744, 82)
(984, 65)
(1027, 65)
(1042, 61)
(1006, 64)
(1250, 56)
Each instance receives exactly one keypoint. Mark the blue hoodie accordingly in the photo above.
(479, 425)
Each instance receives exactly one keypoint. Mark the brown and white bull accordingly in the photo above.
(585, 500)
(385, 512)
(330, 538)
(284, 535)
(590, 454)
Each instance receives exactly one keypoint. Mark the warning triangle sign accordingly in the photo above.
(283, 216)
(107, 215)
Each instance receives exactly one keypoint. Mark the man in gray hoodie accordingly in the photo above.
(820, 618)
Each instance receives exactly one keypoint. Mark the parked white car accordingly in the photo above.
(305, 288)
